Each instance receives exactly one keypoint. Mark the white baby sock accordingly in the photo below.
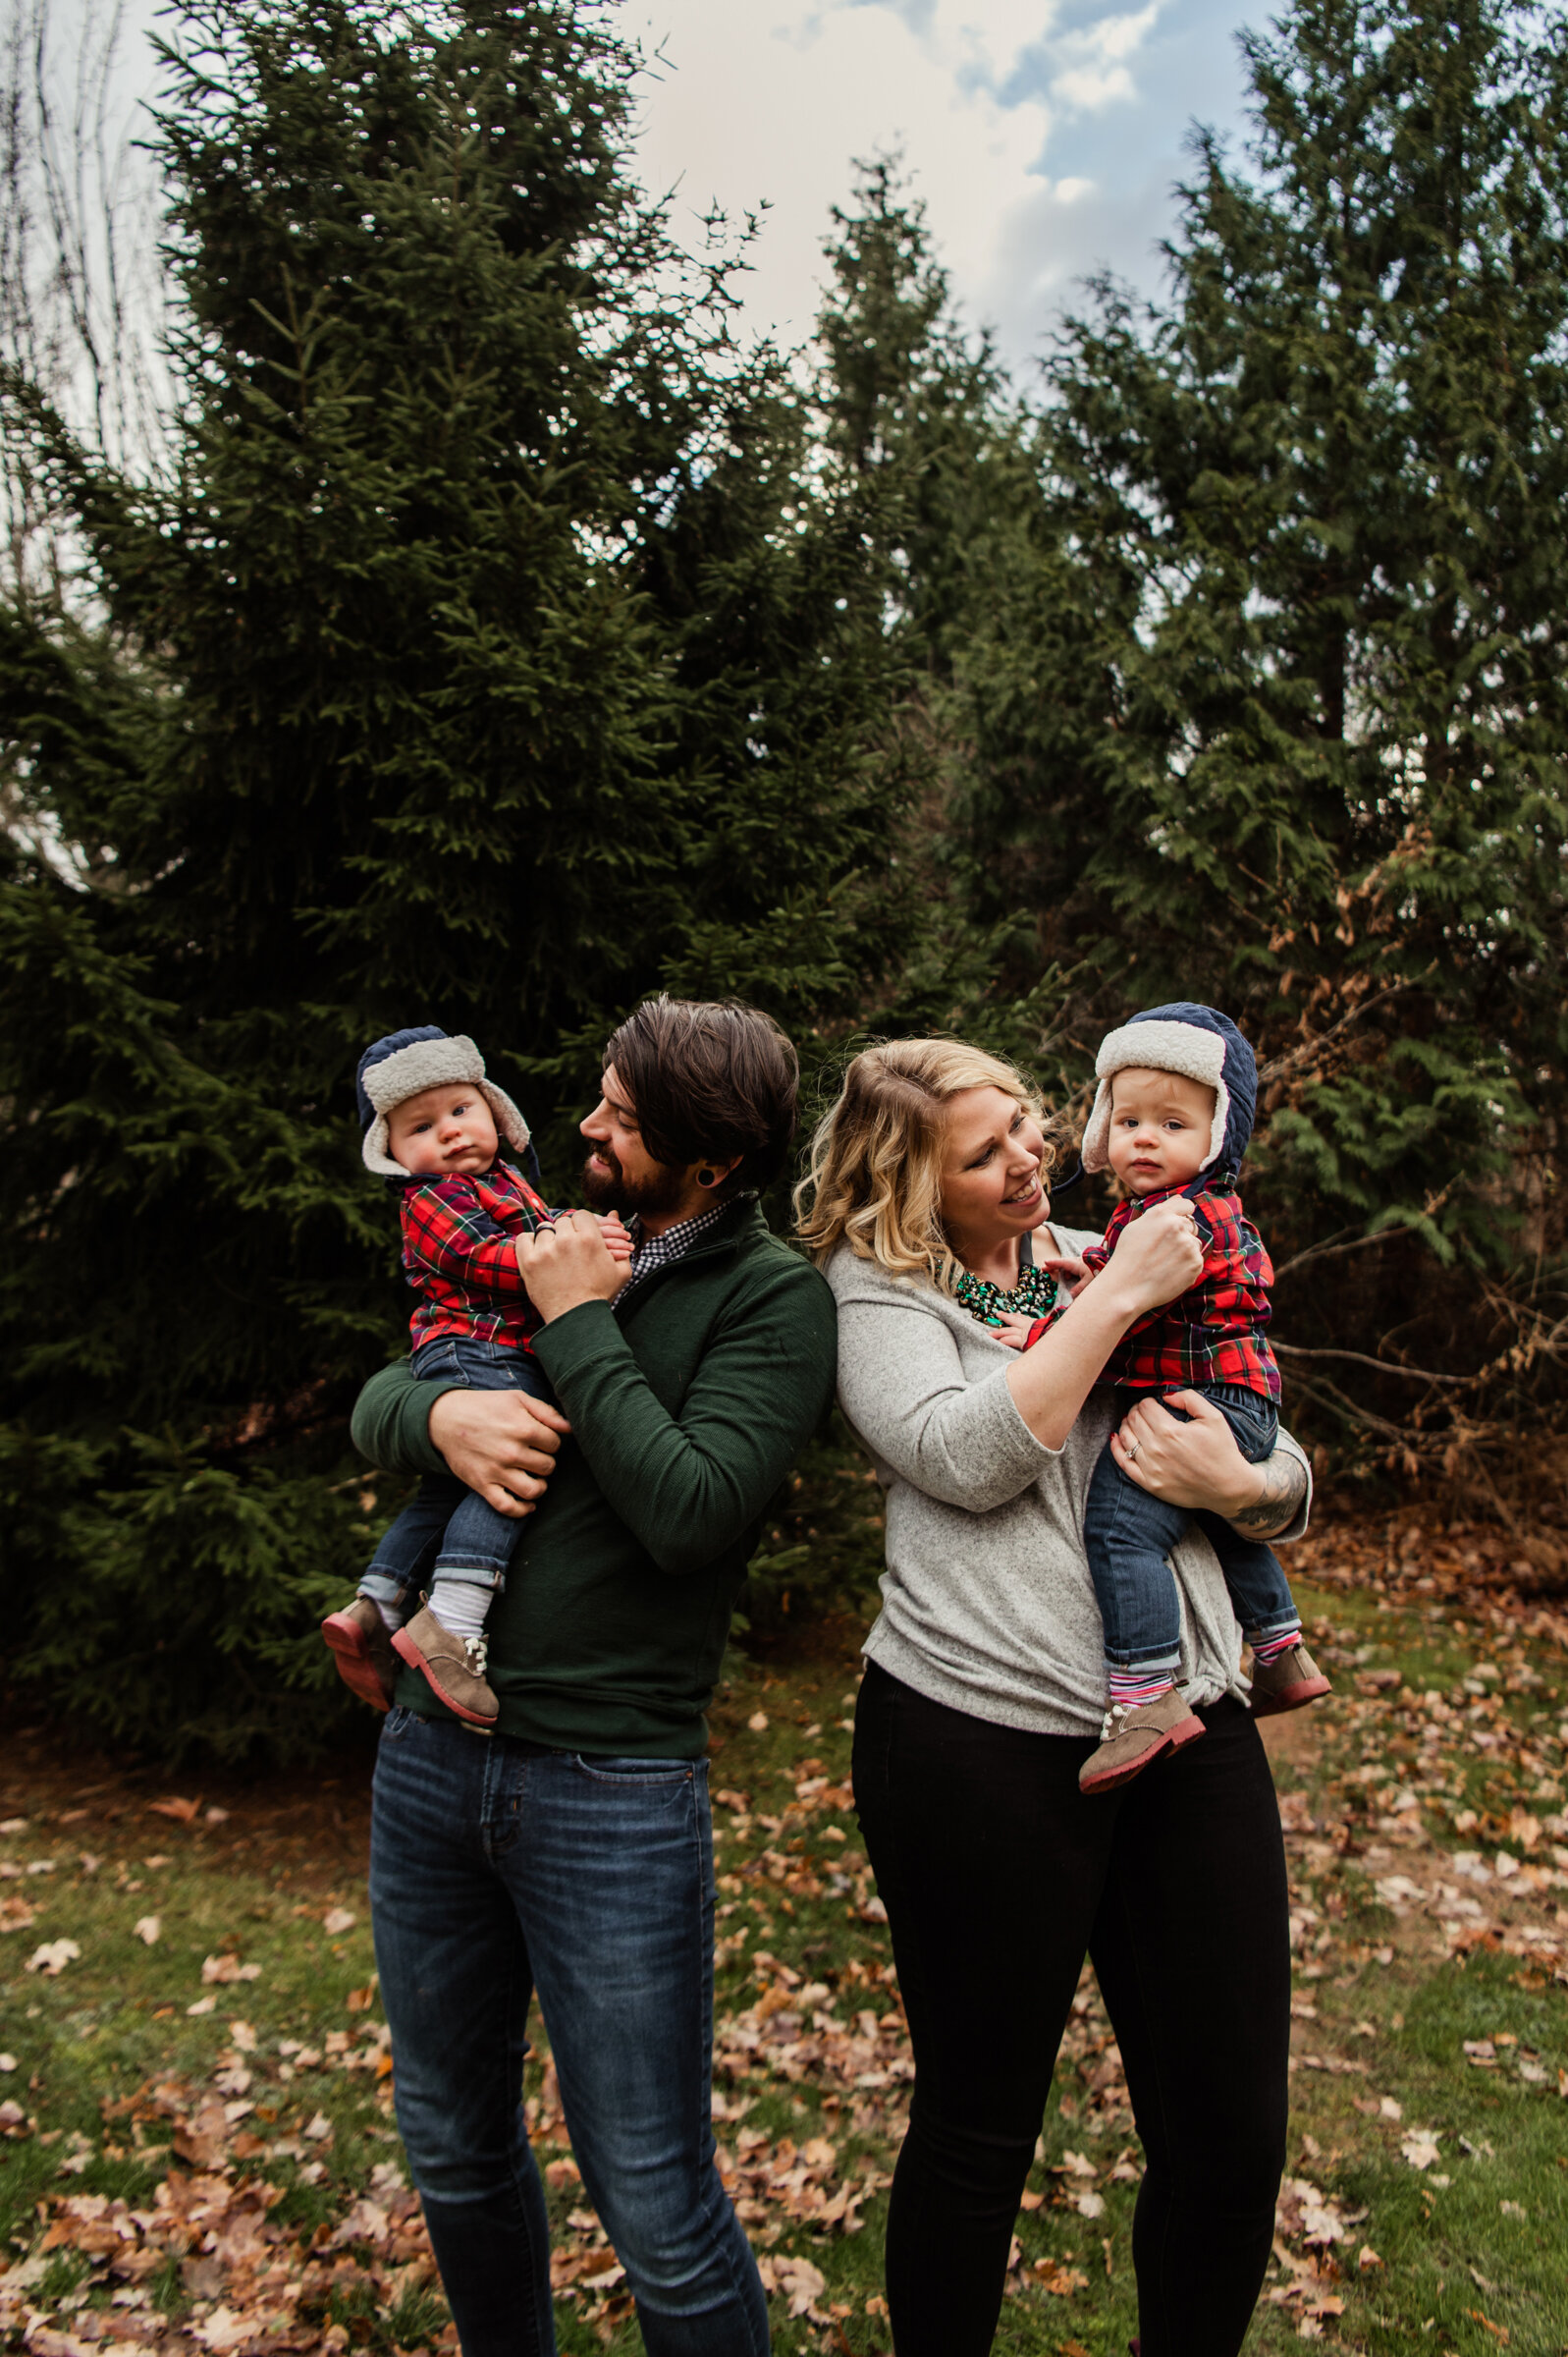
(393, 1615)
(461, 1605)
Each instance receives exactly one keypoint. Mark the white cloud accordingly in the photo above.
(1044, 140)
(764, 102)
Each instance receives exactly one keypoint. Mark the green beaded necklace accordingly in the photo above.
(1037, 1295)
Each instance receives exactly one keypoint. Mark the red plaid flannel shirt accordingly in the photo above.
(1215, 1332)
(457, 1250)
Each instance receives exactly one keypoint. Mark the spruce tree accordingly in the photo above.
(1277, 715)
(491, 652)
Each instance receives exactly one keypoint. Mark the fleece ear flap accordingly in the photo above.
(1218, 1127)
(1095, 1152)
(509, 1121)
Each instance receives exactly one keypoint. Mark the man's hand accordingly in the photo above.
(500, 1443)
(568, 1264)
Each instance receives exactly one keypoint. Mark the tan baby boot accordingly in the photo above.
(366, 1663)
(1134, 1734)
(1286, 1682)
(452, 1667)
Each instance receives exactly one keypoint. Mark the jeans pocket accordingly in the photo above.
(400, 1722)
(611, 1769)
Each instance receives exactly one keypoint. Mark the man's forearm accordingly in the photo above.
(391, 1421)
(1278, 1503)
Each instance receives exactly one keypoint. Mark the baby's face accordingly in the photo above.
(443, 1130)
(1159, 1128)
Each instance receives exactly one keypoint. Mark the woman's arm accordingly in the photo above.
(1198, 1465)
(1157, 1259)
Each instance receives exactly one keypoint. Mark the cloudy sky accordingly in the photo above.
(1045, 135)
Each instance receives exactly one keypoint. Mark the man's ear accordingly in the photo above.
(710, 1175)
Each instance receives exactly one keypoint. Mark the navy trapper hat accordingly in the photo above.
(404, 1064)
(1201, 1044)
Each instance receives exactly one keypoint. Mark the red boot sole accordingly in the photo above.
(1292, 1698)
(352, 1656)
(1177, 1739)
(404, 1645)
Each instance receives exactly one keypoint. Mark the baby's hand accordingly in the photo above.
(617, 1242)
(1070, 1273)
(1014, 1329)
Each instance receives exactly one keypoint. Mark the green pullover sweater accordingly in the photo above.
(686, 1410)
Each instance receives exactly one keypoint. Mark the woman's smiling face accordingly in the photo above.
(990, 1187)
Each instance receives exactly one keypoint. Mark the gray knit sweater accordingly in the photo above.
(987, 1603)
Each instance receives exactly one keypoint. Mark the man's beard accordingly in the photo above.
(611, 1190)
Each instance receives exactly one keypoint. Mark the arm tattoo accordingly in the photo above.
(1284, 1492)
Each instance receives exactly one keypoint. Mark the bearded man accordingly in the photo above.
(570, 1853)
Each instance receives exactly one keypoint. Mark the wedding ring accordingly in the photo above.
(1131, 1447)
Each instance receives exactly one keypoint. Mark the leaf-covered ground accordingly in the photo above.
(195, 2086)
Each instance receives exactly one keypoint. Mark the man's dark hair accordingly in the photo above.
(710, 1076)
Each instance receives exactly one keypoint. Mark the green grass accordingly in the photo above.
(1460, 2264)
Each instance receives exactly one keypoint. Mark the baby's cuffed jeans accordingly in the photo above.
(447, 1531)
(1129, 1535)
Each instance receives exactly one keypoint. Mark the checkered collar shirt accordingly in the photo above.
(651, 1252)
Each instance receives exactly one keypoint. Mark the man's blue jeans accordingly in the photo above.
(498, 1868)
(447, 1531)
(1128, 1536)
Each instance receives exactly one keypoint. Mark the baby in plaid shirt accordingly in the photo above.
(433, 1128)
(1173, 1114)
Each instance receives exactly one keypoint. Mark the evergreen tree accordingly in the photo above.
(1275, 712)
(491, 653)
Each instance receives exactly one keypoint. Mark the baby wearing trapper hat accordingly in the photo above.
(433, 1126)
(1174, 1115)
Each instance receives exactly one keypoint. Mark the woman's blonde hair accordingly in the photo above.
(874, 1178)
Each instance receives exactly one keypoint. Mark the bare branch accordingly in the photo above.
(1383, 1366)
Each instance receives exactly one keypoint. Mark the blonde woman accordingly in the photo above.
(926, 1206)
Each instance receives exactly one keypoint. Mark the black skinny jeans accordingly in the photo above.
(997, 1874)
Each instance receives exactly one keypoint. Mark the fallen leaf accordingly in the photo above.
(801, 2284)
(1061, 2281)
(223, 2331)
(338, 1919)
(1420, 2148)
(228, 1968)
(182, 1811)
(52, 1957)
(147, 1929)
(318, 2128)
(758, 1722)
(1369, 2259)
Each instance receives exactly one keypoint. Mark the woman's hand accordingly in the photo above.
(1013, 1328)
(500, 1443)
(1194, 1465)
(1158, 1257)
(568, 1264)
